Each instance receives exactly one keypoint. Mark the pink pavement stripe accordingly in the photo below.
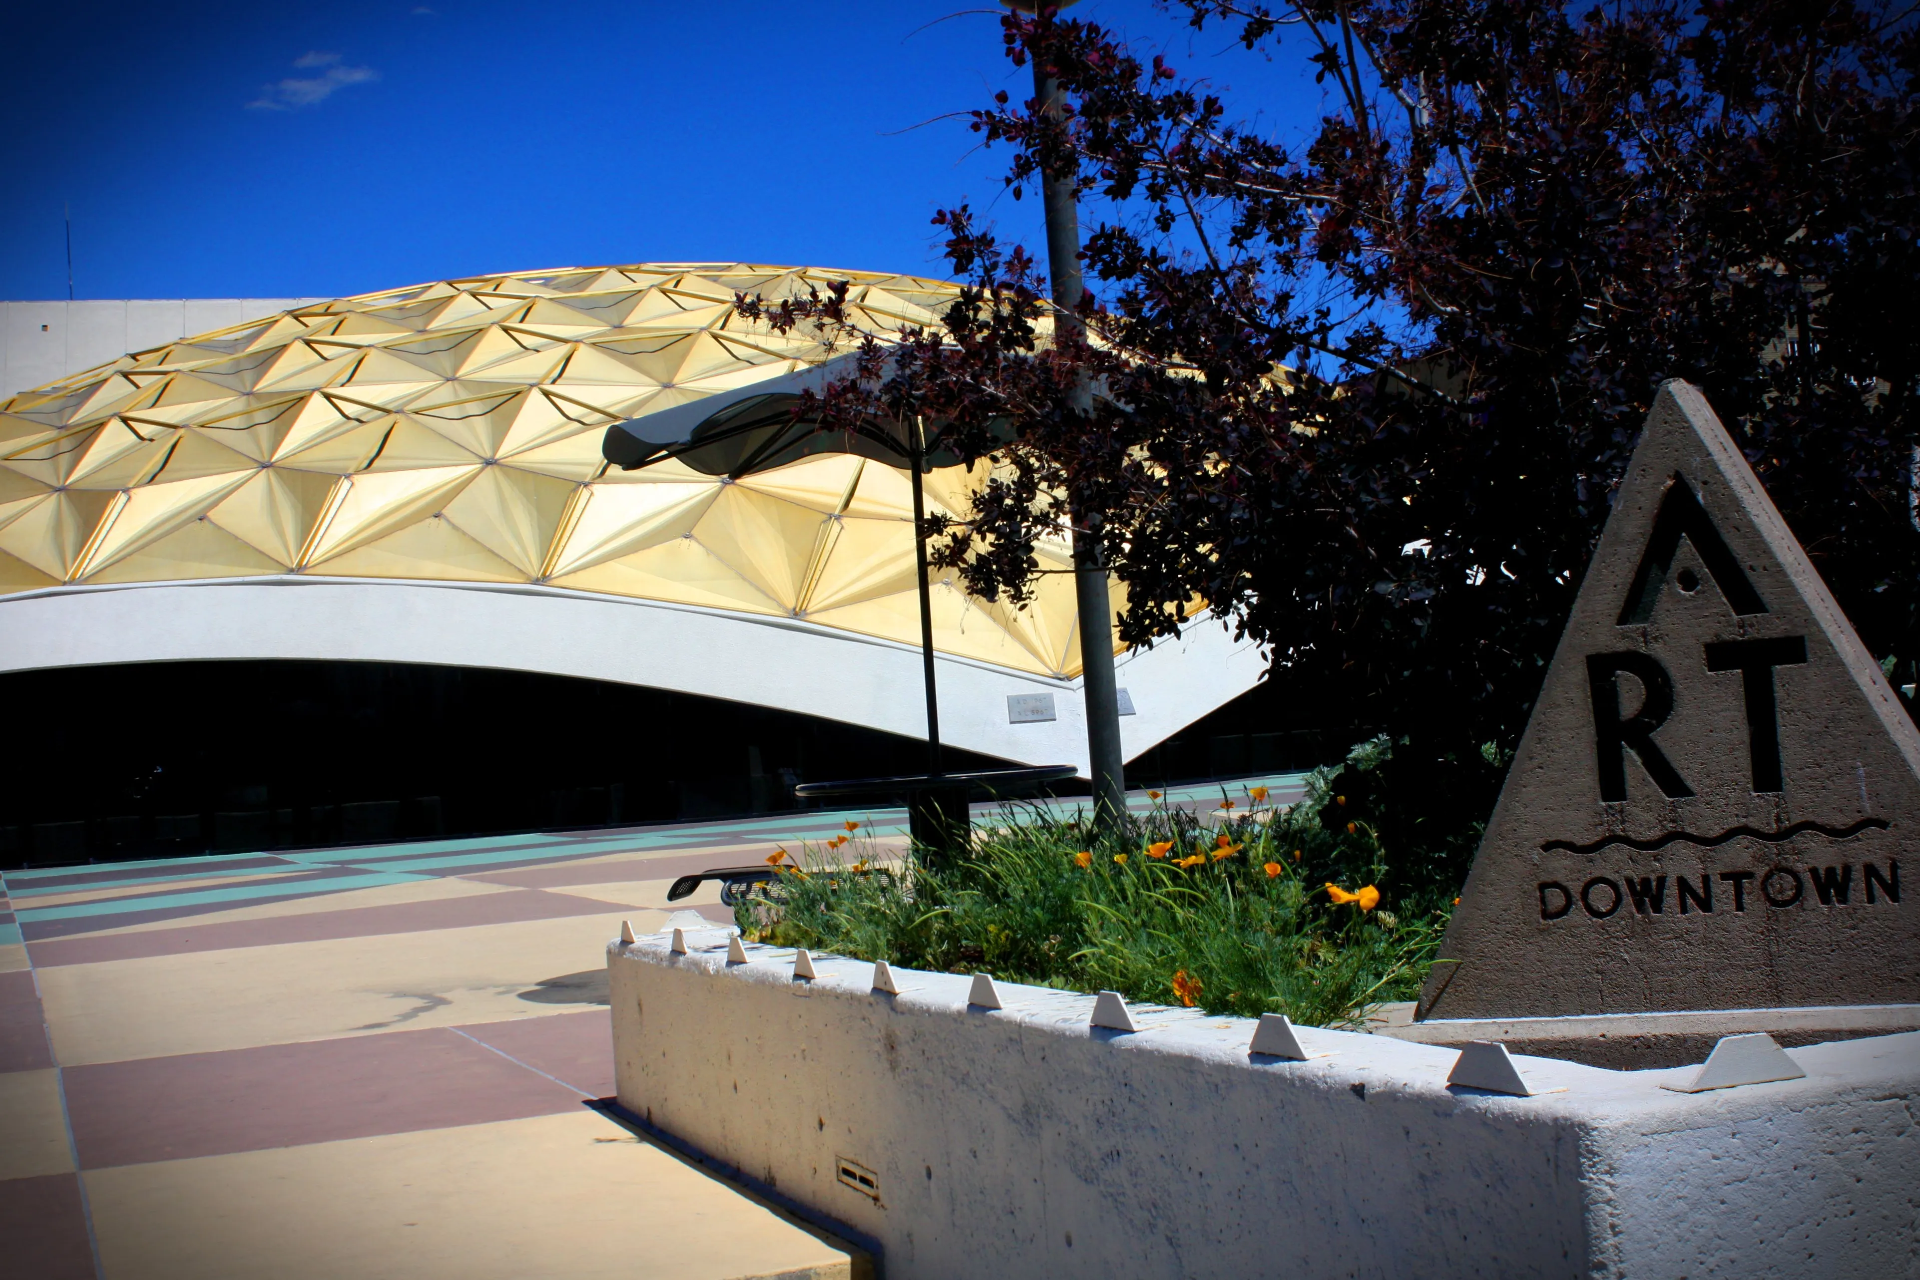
(359, 922)
(288, 1095)
(43, 1229)
(23, 1032)
(573, 1047)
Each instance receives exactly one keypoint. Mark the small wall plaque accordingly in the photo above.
(1029, 708)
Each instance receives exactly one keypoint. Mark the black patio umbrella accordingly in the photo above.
(763, 426)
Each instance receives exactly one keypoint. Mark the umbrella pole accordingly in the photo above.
(915, 462)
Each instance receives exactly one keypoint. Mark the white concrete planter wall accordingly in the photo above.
(1021, 1142)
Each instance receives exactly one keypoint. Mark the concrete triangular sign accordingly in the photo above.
(1736, 1060)
(802, 964)
(626, 933)
(883, 978)
(1484, 1065)
(678, 946)
(1707, 808)
(1110, 1011)
(736, 954)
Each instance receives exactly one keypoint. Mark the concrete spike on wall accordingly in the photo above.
(802, 964)
(1110, 1011)
(1736, 1060)
(983, 994)
(1485, 1065)
(1275, 1037)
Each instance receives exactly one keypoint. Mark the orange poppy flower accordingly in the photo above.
(1120, 859)
(1259, 794)
(1159, 848)
(1226, 851)
(1273, 870)
(1366, 899)
(1194, 861)
(1353, 828)
(853, 826)
(1153, 795)
(1186, 987)
(778, 855)
(1083, 860)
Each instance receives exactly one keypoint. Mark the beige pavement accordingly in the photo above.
(567, 1195)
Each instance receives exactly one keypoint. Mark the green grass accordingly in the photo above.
(1249, 932)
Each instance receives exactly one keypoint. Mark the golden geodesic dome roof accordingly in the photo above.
(451, 432)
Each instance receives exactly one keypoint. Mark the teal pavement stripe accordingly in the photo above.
(407, 848)
(10, 935)
(238, 895)
(158, 882)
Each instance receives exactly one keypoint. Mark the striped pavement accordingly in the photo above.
(371, 1060)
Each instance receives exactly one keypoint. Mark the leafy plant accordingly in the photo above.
(1243, 914)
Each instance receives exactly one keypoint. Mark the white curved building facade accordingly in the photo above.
(415, 476)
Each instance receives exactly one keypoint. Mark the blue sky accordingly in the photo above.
(270, 150)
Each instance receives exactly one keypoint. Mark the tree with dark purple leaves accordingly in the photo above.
(1368, 398)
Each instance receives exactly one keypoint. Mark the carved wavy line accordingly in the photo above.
(1711, 842)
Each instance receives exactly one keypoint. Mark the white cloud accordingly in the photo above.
(309, 91)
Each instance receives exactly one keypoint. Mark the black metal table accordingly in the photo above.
(937, 803)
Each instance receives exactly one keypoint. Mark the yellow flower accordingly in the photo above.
(1159, 848)
(1259, 794)
(853, 826)
(1226, 851)
(1194, 861)
(1120, 859)
(1083, 860)
(1273, 870)
(778, 854)
(1186, 987)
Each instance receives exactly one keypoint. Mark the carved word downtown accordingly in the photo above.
(1779, 889)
